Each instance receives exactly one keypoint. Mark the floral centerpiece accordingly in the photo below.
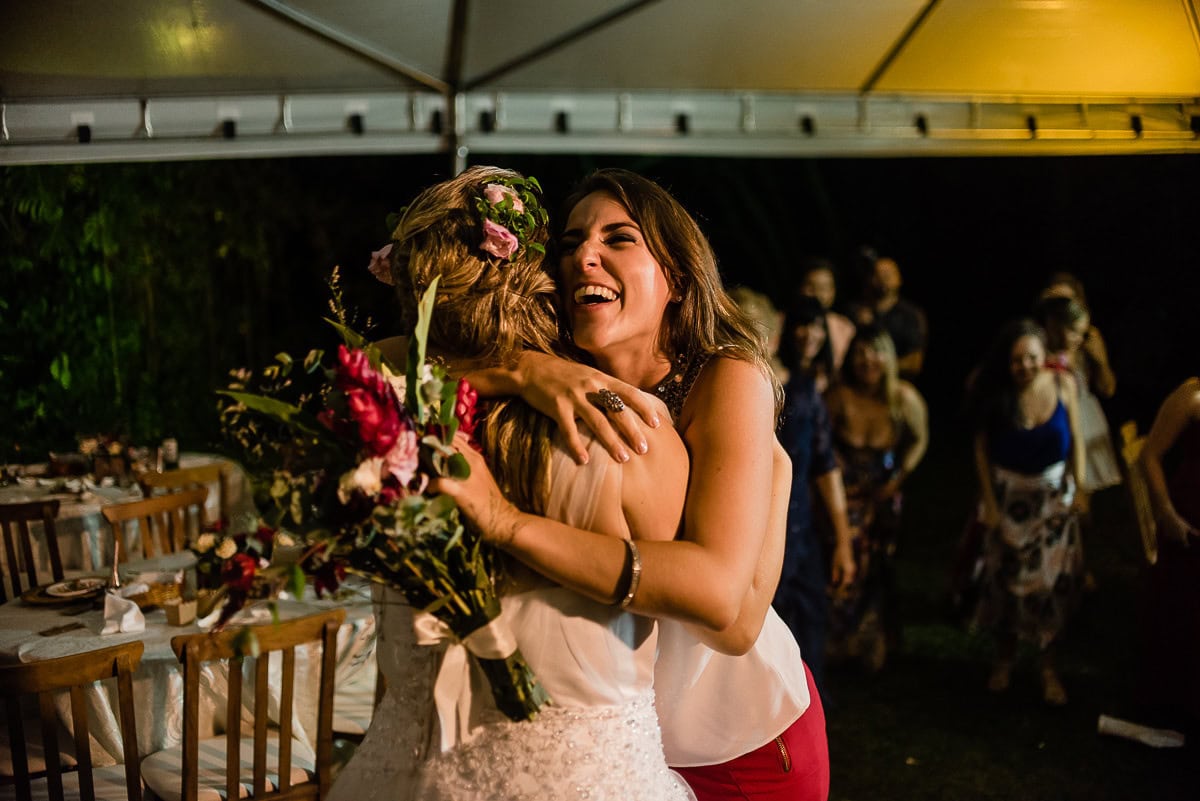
(345, 466)
(221, 554)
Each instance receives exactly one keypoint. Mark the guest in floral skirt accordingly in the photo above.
(1030, 461)
(880, 434)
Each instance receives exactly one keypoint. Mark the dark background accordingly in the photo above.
(975, 239)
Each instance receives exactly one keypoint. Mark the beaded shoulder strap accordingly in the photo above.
(675, 388)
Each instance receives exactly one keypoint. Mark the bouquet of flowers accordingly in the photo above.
(345, 469)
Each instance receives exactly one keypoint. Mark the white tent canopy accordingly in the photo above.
(161, 79)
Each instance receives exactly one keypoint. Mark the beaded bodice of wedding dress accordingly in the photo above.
(598, 740)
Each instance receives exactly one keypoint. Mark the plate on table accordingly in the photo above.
(76, 588)
(66, 592)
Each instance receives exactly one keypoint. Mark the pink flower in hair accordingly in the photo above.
(381, 264)
(496, 193)
(498, 240)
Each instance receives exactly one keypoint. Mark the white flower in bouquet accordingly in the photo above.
(227, 548)
(367, 478)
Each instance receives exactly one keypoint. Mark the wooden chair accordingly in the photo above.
(229, 766)
(217, 473)
(1139, 493)
(18, 543)
(164, 518)
(44, 679)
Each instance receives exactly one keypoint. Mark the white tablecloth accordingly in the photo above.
(84, 538)
(158, 682)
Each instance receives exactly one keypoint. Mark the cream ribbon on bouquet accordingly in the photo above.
(452, 690)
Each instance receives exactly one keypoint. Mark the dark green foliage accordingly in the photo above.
(127, 292)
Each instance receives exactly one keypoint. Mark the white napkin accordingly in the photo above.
(122, 615)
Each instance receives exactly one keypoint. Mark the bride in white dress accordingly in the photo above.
(599, 738)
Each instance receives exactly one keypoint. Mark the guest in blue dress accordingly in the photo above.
(802, 599)
(1030, 461)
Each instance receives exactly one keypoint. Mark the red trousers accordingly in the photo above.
(792, 767)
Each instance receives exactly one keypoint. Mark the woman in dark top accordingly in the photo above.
(802, 598)
(1030, 462)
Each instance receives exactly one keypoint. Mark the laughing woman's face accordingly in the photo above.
(614, 291)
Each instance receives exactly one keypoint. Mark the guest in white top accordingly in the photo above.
(641, 292)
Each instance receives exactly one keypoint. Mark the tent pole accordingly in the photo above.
(312, 24)
(897, 46)
(456, 100)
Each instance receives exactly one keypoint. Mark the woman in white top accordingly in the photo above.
(599, 738)
(644, 301)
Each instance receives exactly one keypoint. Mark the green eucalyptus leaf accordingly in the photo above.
(284, 412)
(352, 338)
(296, 581)
(459, 467)
(441, 506)
(416, 348)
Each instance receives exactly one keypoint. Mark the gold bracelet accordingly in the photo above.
(635, 573)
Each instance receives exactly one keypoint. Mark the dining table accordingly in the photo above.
(84, 539)
(39, 626)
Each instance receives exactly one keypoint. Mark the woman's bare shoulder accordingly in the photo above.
(909, 393)
(724, 375)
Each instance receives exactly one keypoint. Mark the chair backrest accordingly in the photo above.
(45, 679)
(1139, 493)
(194, 650)
(18, 542)
(217, 473)
(164, 518)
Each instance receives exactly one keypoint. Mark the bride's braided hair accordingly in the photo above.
(488, 310)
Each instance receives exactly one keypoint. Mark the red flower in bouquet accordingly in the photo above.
(239, 572)
(465, 401)
(369, 400)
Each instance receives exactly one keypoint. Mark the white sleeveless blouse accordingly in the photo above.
(713, 707)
